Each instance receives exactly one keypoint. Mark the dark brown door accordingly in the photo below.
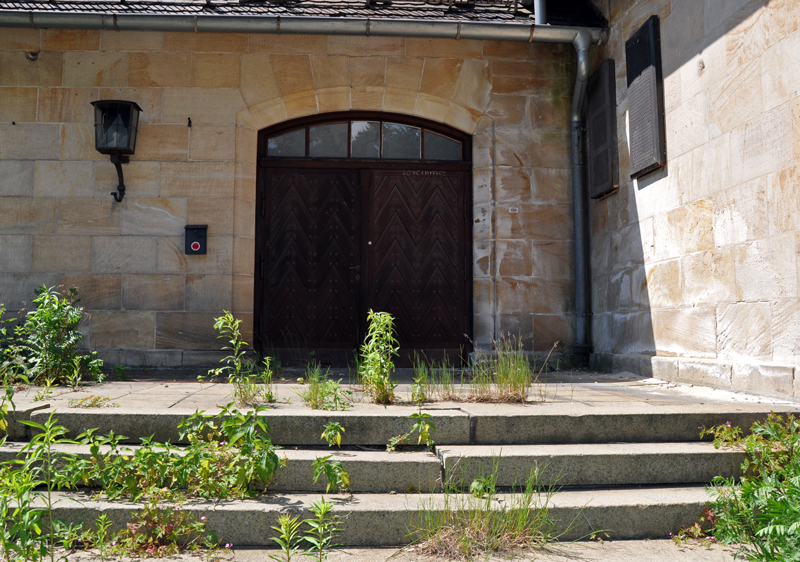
(415, 257)
(311, 258)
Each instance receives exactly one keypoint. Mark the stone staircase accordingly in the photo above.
(635, 468)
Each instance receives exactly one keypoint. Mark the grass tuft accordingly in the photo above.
(463, 526)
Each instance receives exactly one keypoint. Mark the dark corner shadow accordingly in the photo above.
(622, 320)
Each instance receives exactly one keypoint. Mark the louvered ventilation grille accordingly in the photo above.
(645, 99)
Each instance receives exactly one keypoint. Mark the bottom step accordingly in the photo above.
(387, 520)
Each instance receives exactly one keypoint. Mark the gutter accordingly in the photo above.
(528, 32)
(582, 39)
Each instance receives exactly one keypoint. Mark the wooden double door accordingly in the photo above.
(336, 240)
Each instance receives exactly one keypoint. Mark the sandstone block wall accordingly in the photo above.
(150, 303)
(698, 263)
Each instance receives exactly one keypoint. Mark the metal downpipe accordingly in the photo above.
(580, 347)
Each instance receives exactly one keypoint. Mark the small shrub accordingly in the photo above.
(47, 341)
(322, 393)
(762, 509)
(375, 365)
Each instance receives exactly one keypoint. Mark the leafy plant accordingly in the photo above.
(229, 455)
(422, 425)
(49, 337)
(322, 393)
(335, 474)
(120, 372)
(161, 529)
(484, 486)
(240, 371)
(762, 509)
(41, 463)
(288, 539)
(332, 434)
(324, 527)
(375, 366)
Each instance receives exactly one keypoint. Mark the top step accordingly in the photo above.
(459, 424)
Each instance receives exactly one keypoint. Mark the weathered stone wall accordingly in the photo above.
(151, 303)
(698, 263)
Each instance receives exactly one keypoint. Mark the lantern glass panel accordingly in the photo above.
(116, 125)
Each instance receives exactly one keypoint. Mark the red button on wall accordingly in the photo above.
(195, 246)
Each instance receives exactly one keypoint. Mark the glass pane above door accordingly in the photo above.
(291, 144)
(328, 141)
(365, 137)
(401, 141)
(439, 147)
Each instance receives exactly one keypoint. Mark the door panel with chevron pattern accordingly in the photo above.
(312, 258)
(416, 258)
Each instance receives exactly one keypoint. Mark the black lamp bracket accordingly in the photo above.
(118, 160)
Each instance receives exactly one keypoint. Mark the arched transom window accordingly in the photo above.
(367, 139)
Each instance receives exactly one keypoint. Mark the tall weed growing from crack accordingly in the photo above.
(243, 373)
(375, 366)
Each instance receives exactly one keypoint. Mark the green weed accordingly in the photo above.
(465, 526)
(45, 345)
(92, 402)
(324, 527)
(243, 373)
(375, 366)
(288, 538)
(322, 393)
(762, 509)
(332, 434)
(335, 474)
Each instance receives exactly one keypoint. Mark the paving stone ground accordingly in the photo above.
(610, 551)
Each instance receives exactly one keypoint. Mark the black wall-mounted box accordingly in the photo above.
(196, 239)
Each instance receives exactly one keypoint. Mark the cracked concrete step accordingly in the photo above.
(386, 520)
(605, 464)
(456, 424)
(369, 471)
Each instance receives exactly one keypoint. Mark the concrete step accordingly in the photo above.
(561, 465)
(387, 519)
(456, 424)
(369, 471)
(604, 464)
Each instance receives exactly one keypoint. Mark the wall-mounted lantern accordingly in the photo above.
(116, 123)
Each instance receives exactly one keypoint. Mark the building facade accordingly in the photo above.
(693, 268)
